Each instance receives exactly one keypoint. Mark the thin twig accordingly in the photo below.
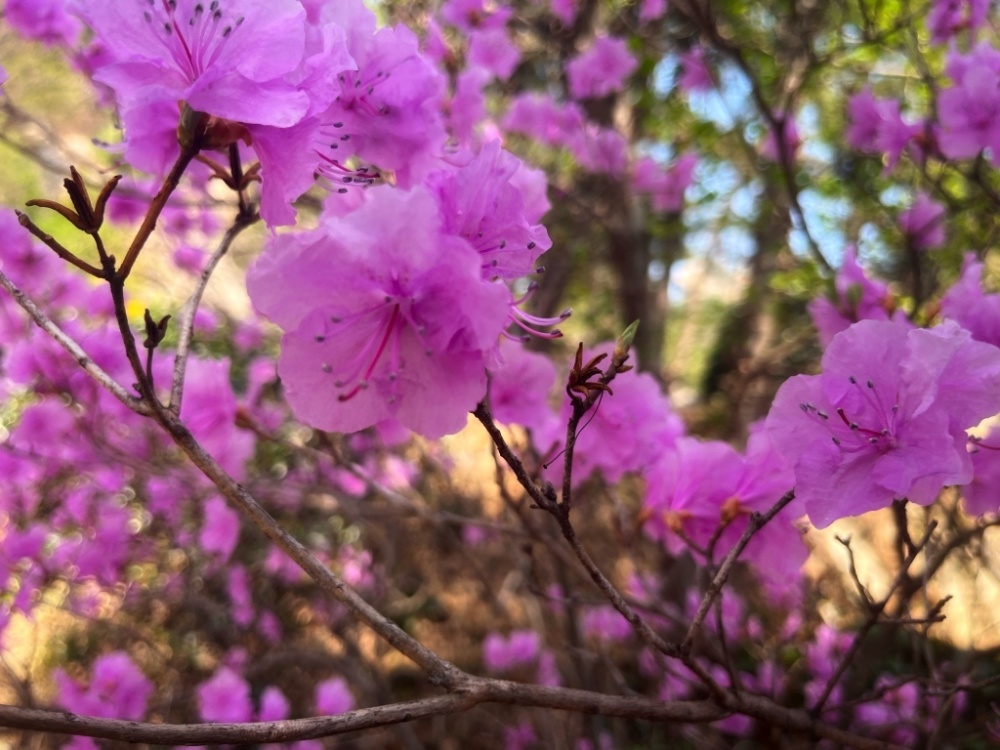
(190, 309)
(874, 611)
(560, 513)
(53, 244)
(156, 207)
(757, 521)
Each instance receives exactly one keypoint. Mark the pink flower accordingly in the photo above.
(855, 297)
(540, 117)
(970, 111)
(469, 15)
(520, 388)
(650, 10)
(600, 150)
(895, 135)
(209, 411)
(273, 705)
(564, 10)
(887, 417)
(494, 51)
(948, 17)
(922, 223)
(118, 690)
(601, 69)
(967, 305)
(225, 698)
(42, 20)
(387, 112)
(521, 647)
(333, 696)
(385, 315)
(227, 59)
(605, 623)
(695, 75)
(480, 203)
(666, 187)
(221, 529)
(467, 108)
(865, 115)
(982, 494)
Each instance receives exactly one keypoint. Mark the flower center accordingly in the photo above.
(874, 426)
(194, 42)
(385, 325)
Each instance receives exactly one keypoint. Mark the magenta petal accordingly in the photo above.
(242, 100)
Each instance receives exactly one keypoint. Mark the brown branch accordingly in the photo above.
(53, 244)
(482, 691)
(70, 345)
(875, 610)
(561, 514)
(757, 521)
(156, 207)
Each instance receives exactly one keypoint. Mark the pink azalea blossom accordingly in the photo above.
(600, 150)
(520, 388)
(601, 69)
(225, 698)
(855, 297)
(948, 17)
(665, 186)
(117, 690)
(494, 50)
(387, 112)
(695, 74)
(969, 112)
(887, 417)
(923, 223)
(564, 10)
(479, 203)
(521, 647)
(605, 624)
(273, 705)
(240, 596)
(385, 315)
(226, 59)
(650, 10)
(967, 304)
(333, 696)
(466, 109)
(221, 529)
(865, 115)
(982, 494)
(42, 20)
(540, 117)
(469, 15)
(209, 411)
(895, 135)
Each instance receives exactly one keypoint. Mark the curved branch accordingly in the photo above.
(190, 309)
